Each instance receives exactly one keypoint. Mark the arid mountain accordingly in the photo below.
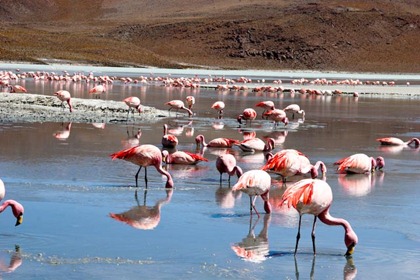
(354, 35)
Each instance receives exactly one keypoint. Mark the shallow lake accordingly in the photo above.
(69, 186)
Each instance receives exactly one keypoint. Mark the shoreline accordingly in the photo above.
(27, 107)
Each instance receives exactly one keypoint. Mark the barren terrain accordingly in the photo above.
(358, 35)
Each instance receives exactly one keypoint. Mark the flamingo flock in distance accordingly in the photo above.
(302, 178)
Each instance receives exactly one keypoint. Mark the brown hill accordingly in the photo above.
(355, 35)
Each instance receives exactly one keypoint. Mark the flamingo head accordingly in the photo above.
(199, 139)
(380, 163)
(239, 119)
(350, 239)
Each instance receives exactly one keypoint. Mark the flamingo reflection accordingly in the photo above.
(359, 184)
(63, 133)
(349, 270)
(226, 197)
(14, 263)
(142, 216)
(254, 248)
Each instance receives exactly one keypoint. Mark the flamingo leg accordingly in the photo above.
(298, 234)
(137, 176)
(313, 235)
(145, 176)
(253, 206)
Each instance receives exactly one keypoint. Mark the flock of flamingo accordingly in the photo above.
(311, 195)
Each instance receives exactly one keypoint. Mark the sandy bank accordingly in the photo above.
(41, 108)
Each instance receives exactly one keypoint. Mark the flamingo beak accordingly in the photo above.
(19, 220)
(350, 249)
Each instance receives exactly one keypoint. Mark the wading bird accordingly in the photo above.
(64, 96)
(219, 106)
(178, 105)
(314, 196)
(226, 163)
(215, 143)
(295, 109)
(359, 163)
(145, 155)
(133, 103)
(182, 157)
(168, 140)
(393, 141)
(255, 183)
(248, 114)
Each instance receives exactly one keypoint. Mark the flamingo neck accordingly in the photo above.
(169, 181)
(327, 219)
(416, 142)
(13, 204)
(71, 107)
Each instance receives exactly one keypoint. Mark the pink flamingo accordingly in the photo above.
(142, 216)
(178, 105)
(168, 140)
(133, 103)
(219, 106)
(17, 89)
(226, 163)
(17, 208)
(182, 157)
(266, 105)
(64, 96)
(248, 114)
(98, 90)
(277, 115)
(314, 196)
(295, 109)
(359, 164)
(190, 101)
(393, 141)
(215, 143)
(256, 145)
(144, 156)
(255, 183)
(291, 162)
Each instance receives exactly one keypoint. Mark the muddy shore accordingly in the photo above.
(42, 108)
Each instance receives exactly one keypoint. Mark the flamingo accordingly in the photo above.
(255, 183)
(142, 216)
(182, 157)
(256, 145)
(393, 141)
(359, 164)
(314, 196)
(219, 106)
(295, 109)
(190, 101)
(215, 143)
(133, 103)
(178, 105)
(17, 208)
(266, 105)
(277, 115)
(291, 162)
(64, 96)
(248, 114)
(98, 90)
(144, 156)
(226, 163)
(17, 89)
(168, 140)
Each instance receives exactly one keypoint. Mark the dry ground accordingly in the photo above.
(355, 35)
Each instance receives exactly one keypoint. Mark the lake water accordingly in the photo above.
(69, 187)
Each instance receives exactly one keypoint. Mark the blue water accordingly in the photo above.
(69, 187)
